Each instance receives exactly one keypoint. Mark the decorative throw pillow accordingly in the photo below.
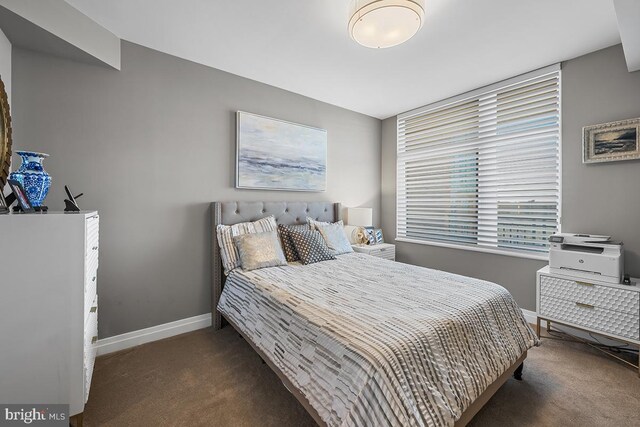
(287, 244)
(335, 237)
(226, 233)
(311, 246)
(259, 250)
(313, 224)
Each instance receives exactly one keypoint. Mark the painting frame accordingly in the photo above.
(21, 196)
(271, 173)
(379, 236)
(611, 142)
(3, 203)
(370, 234)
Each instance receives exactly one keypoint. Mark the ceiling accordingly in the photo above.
(303, 45)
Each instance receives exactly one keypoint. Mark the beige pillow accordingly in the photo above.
(259, 250)
(313, 224)
(226, 233)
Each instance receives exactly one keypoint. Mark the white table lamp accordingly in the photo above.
(360, 216)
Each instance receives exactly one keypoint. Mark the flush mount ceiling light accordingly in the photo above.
(385, 23)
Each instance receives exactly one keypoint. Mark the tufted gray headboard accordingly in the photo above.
(230, 213)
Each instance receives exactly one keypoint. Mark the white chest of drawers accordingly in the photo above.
(607, 309)
(49, 308)
(381, 250)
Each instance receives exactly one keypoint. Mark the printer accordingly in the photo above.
(586, 256)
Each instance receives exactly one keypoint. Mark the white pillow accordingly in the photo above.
(333, 235)
(226, 233)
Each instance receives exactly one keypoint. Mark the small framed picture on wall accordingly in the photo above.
(611, 142)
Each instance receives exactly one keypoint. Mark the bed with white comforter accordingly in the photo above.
(371, 342)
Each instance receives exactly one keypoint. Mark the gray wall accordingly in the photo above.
(57, 27)
(150, 146)
(598, 199)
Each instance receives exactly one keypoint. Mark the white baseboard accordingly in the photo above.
(154, 333)
(159, 332)
(530, 316)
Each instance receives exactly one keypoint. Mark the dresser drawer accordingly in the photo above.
(90, 349)
(92, 235)
(90, 291)
(91, 260)
(90, 305)
(590, 316)
(607, 297)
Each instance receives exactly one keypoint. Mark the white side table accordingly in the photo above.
(381, 250)
(607, 309)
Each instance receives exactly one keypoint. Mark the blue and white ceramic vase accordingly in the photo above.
(34, 179)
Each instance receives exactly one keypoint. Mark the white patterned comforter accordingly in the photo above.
(372, 342)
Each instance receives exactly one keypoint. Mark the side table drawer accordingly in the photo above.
(580, 313)
(386, 253)
(609, 298)
(382, 250)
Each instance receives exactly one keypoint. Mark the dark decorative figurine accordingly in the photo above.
(70, 204)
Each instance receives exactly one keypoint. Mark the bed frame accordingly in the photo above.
(230, 213)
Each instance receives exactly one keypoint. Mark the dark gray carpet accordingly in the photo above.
(208, 378)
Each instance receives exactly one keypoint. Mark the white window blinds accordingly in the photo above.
(482, 170)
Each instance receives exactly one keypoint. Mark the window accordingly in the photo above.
(482, 170)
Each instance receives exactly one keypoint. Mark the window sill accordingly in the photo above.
(539, 257)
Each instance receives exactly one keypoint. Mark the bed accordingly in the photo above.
(364, 341)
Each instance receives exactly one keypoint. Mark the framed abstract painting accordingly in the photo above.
(275, 154)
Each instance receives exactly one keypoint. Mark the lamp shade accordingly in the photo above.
(360, 216)
(385, 23)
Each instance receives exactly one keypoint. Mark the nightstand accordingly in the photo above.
(381, 250)
(610, 310)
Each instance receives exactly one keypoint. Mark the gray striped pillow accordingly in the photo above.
(226, 233)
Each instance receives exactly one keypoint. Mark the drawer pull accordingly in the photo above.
(94, 279)
(93, 309)
(94, 339)
(583, 305)
(95, 248)
(584, 283)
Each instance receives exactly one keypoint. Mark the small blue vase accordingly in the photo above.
(34, 179)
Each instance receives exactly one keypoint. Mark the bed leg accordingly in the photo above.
(517, 374)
